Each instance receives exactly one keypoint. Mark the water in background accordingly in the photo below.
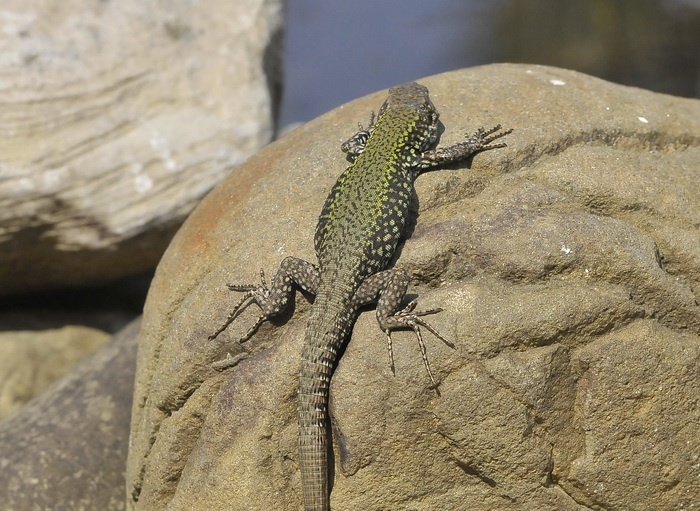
(338, 51)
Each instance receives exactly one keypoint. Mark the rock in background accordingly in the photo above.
(117, 118)
(30, 361)
(66, 449)
(568, 265)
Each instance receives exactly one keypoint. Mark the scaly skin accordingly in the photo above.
(360, 225)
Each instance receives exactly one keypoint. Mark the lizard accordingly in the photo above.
(358, 230)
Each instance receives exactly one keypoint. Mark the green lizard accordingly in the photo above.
(360, 225)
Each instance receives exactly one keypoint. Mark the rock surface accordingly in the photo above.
(66, 450)
(31, 361)
(568, 265)
(117, 118)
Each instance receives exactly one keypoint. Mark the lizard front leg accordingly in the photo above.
(388, 289)
(481, 140)
(274, 299)
(356, 144)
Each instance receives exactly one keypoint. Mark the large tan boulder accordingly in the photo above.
(568, 265)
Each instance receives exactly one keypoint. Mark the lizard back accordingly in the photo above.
(365, 213)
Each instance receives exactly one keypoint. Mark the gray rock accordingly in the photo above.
(568, 265)
(66, 449)
(117, 118)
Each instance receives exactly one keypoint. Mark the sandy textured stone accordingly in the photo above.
(568, 265)
(639, 420)
(31, 361)
(117, 118)
(66, 449)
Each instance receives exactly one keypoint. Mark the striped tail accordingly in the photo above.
(317, 363)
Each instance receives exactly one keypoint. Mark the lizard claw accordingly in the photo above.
(407, 318)
(483, 137)
(253, 292)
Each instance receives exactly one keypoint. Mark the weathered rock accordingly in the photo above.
(31, 361)
(568, 266)
(66, 449)
(117, 118)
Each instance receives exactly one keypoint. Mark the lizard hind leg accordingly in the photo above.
(273, 299)
(388, 289)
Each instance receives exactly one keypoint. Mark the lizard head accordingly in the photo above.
(409, 104)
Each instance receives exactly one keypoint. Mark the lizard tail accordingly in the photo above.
(318, 361)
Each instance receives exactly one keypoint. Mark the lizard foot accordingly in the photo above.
(228, 362)
(257, 293)
(482, 138)
(407, 318)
